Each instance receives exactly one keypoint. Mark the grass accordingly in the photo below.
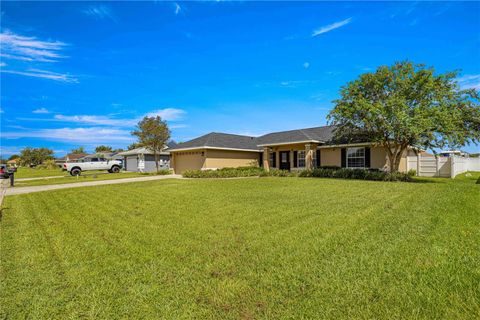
(86, 176)
(24, 172)
(271, 248)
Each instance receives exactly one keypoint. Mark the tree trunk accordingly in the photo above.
(394, 156)
(156, 158)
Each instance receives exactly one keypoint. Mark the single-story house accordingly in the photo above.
(142, 159)
(288, 150)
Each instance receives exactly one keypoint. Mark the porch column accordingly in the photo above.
(291, 159)
(266, 158)
(309, 150)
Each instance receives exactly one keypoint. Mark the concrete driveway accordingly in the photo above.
(22, 190)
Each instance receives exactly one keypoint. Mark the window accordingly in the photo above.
(314, 160)
(301, 159)
(94, 160)
(356, 158)
(271, 160)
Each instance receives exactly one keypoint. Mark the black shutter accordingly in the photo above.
(344, 158)
(367, 157)
(261, 160)
(274, 160)
(318, 158)
(295, 157)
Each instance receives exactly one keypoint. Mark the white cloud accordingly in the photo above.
(177, 8)
(169, 114)
(100, 12)
(1, 110)
(2, 64)
(306, 65)
(24, 48)
(96, 120)
(331, 27)
(469, 81)
(40, 110)
(79, 135)
(36, 73)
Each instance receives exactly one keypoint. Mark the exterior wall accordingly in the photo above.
(188, 160)
(378, 158)
(331, 157)
(131, 163)
(216, 159)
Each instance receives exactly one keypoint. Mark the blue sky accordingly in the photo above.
(83, 73)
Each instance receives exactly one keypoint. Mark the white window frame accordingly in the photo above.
(347, 157)
(304, 158)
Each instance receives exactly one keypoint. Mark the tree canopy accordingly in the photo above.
(152, 133)
(404, 105)
(78, 150)
(103, 148)
(35, 156)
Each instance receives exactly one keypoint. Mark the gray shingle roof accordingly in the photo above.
(320, 134)
(220, 140)
(233, 141)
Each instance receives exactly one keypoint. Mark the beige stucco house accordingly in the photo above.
(288, 150)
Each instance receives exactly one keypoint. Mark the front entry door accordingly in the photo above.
(284, 160)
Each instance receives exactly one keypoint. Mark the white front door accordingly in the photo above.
(141, 163)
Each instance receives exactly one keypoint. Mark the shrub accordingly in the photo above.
(278, 173)
(48, 164)
(224, 173)
(412, 172)
(360, 174)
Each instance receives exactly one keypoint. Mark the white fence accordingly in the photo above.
(447, 167)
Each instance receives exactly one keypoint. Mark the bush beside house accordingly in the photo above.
(323, 172)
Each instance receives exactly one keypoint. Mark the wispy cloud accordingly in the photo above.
(100, 12)
(331, 27)
(168, 114)
(469, 81)
(177, 8)
(36, 73)
(40, 111)
(2, 64)
(25, 48)
(78, 135)
(306, 65)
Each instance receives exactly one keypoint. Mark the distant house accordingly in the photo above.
(105, 155)
(14, 162)
(71, 157)
(143, 160)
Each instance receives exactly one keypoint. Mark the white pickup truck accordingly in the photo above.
(76, 168)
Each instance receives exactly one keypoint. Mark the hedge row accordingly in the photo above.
(225, 173)
(324, 172)
(361, 174)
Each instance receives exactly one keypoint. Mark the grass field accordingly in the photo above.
(24, 172)
(244, 248)
(86, 176)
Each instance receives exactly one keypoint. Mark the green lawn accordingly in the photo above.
(292, 248)
(86, 176)
(24, 172)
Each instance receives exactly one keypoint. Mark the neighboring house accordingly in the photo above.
(13, 163)
(71, 157)
(449, 153)
(287, 150)
(143, 160)
(105, 155)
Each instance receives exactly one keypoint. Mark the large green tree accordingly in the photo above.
(152, 133)
(404, 105)
(35, 156)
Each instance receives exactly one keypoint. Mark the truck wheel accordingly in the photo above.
(115, 169)
(76, 172)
